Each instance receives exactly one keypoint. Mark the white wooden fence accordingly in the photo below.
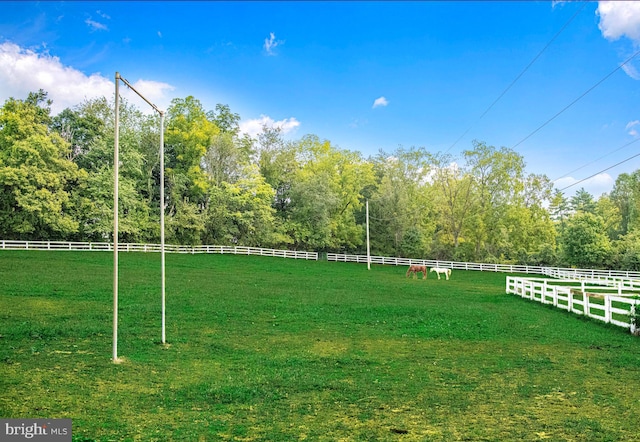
(592, 298)
(614, 276)
(628, 280)
(130, 247)
(627, 277)
(607, 295)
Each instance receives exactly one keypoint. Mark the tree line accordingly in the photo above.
(223, 187)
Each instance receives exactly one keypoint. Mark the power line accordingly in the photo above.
(597, 159)
(577, 99)
(520, 74)
(597, 173)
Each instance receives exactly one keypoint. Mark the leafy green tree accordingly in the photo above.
(582, 201)
(189, 134)
(80, 130)
(498, 179)
(309, 223)
(227, 153)
(36, 175)
(610, 214)
(546, 256)
(326, 195)
(57, 180)
(228, 122)
(224, 159)
(585, 242)
(626, 196)
(627, 252)
(400, 207)
(90, 126)
(527, 228)
(559, 209)
(241, 212)
(530, 225)
(278, 161)
(185, 223)
(454, 196)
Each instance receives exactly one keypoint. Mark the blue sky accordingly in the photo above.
(365, 75)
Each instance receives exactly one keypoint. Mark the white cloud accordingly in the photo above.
(596, 186)
(631, 127)
(631, 71)
(23, 71)
(254, 127)
(621, 19)
(154, 91)
(271, 43)
(96, 26)
(357, 123)
(380, 102)
(618, 19)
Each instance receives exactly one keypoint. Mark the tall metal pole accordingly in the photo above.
(116, 167)
(162, 219)
(115, 214)
(368, 248)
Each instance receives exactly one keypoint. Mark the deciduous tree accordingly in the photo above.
(36, 175)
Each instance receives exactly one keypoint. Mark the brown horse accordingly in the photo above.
(415, 269)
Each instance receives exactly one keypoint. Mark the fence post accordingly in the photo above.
(569, 300)
(585, 303)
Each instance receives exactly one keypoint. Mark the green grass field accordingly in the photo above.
(277, 349)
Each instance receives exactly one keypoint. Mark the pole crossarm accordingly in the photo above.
(118, 76)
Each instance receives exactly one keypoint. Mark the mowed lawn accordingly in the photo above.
(277, 349)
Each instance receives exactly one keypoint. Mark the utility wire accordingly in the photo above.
(597, 159)
(584, 3)
(577, 99)
(597, 173)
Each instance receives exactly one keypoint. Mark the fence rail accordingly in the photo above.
(628, 279)
(169, 248)
(607, 295)
(612, 305)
